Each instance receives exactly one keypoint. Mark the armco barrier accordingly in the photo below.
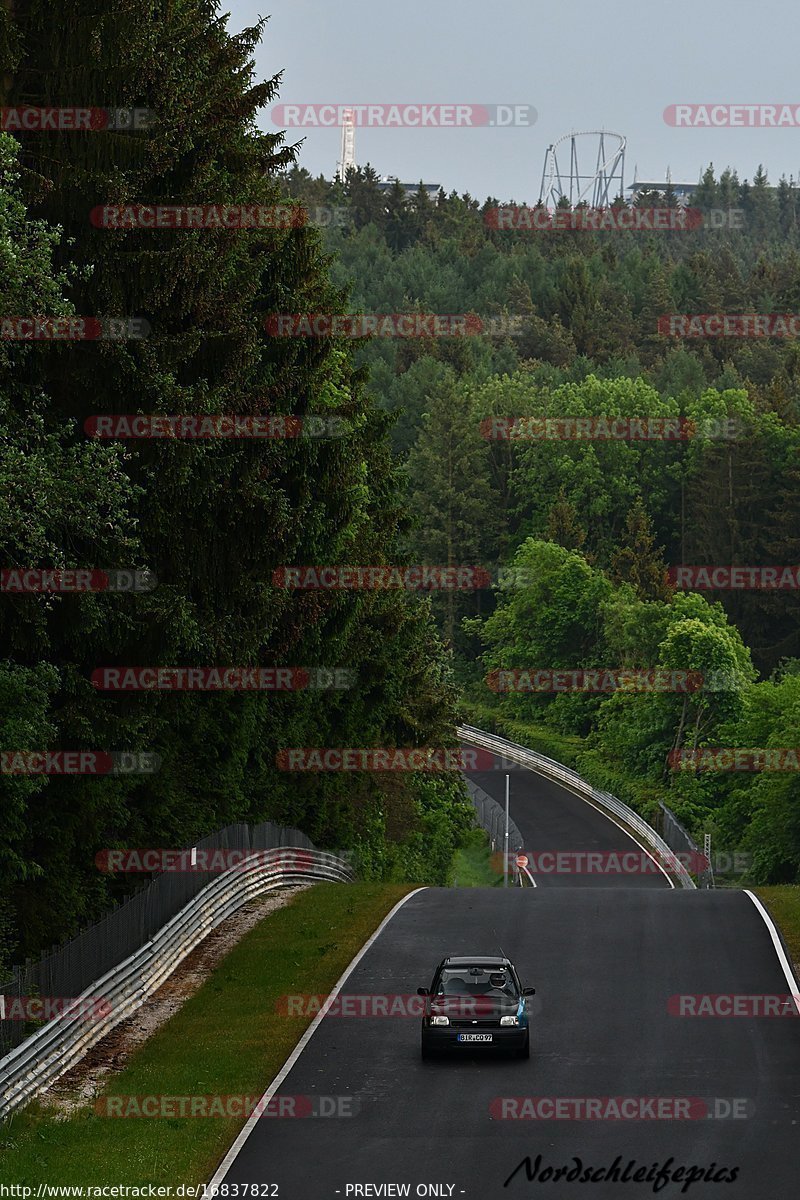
(572, 780)
(61, 1043)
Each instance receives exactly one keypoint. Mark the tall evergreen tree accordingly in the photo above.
(452, 499)
(637, 560)
(213, 518)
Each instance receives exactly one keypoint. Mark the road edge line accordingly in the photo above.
(563, 784)
(783, 957)
(244, 1133)
(610, 817)
(603, 813)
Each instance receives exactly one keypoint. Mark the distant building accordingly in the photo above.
(685, 191)
(682, 191)
(347, 155)
(410, 189)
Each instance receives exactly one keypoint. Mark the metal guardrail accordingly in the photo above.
(572, 780)
(70, 966)
(61, 1043)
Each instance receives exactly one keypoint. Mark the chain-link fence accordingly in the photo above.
(690, 853)
(491, 816)
(67, 970)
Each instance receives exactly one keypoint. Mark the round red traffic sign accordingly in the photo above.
(522, 860)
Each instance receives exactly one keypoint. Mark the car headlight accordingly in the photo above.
(440, 1020)
(509, 1021)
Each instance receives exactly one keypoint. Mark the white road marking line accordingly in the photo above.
(610, 818)
(229, 1158)
(572, 792)
(779, 950)
(603, 813)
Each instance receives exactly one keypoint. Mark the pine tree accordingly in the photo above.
(399, 228)
(760, 205)
(787, 206)
(214, 518)
(636, 560)
(728, 194)
(563, 525)
(365, 197)
(706, 194)
(453, 503)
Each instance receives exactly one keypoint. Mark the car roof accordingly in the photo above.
(477, 960)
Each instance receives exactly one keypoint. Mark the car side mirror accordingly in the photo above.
(422, 991)
(529, 991)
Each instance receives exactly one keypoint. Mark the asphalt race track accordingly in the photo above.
(552, 819)
(604, 961)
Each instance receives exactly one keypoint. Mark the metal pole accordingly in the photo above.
(709, 870)
(505, 841)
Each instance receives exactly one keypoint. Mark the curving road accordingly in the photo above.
(553, 821)
(605, 953)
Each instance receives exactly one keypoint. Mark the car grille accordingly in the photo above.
(476, 1023)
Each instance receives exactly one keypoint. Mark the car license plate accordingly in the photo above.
(474, 1037)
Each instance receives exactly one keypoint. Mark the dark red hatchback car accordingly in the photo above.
(474, 1002)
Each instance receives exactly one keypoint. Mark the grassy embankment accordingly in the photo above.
(228, 1039)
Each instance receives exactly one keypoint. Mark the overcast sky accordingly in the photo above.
(581, 64)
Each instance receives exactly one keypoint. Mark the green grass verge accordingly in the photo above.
(228, 1039)
(472, 864)
(783, 904)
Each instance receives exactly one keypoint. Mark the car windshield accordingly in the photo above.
(475, 981)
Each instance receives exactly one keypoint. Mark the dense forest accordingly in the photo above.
(595, 525)
(211, 519)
